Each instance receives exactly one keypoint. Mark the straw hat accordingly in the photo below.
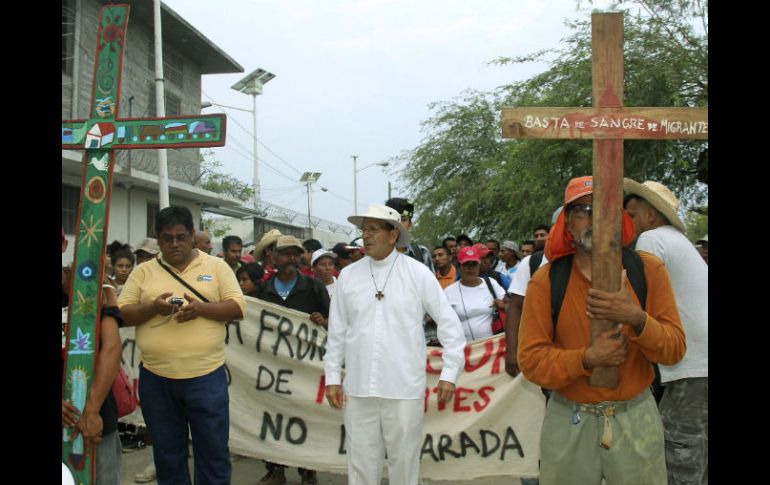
(285, 241)
(148, 245)
(658, 196)
(383, 213)
(268, 239)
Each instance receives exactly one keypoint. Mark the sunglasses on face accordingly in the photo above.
(582, 210)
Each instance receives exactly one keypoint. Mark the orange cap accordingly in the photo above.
(578, 187)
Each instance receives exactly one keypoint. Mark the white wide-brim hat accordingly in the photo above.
(383, 213)
(658, 196)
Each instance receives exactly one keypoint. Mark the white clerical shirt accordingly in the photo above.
(382, 342)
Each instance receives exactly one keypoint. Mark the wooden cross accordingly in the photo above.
(608, 123)
(99, 136)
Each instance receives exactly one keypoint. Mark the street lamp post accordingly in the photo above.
(355, 179)
(309, 178)
(252, 84)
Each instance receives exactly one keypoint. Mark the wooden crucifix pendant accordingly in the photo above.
(380, 295)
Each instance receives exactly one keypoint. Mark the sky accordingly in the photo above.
(355, 77)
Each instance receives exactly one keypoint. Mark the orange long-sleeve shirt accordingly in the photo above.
(447, 280)
(558, 363)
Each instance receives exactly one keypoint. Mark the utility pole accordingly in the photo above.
(160, 104)
(355, 188)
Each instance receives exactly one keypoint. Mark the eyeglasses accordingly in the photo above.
(581, 210)
(372, 229)
(180, 238)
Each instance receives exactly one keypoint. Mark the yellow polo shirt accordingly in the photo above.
(190, 349)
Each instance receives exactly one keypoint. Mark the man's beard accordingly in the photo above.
(584, 240)
(288, 268)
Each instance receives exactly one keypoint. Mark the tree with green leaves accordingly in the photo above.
(465, 178)
(211, 178)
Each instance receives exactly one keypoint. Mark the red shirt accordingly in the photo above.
(307, 271)
(269, 271)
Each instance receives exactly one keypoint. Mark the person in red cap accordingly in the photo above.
(594, 433)
(473, 299)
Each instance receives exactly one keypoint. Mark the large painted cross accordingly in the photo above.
(608, 123)
(100, 136)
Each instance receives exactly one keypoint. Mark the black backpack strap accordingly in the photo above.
(559, 276)
(561, 268)
(489, 285)
(534, 261)
(632, 262)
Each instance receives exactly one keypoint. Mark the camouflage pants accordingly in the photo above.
(685, 413)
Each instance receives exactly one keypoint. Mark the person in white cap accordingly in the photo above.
(684, 405)
(510, 256)
(322, 263)
(376, 330)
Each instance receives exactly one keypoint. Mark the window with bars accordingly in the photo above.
(173, 65)
(152, 212)
(67, 36)
(70, 196)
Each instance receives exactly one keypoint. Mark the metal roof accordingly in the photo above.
(180, 34)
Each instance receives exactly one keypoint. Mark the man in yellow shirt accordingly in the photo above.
(180, 331)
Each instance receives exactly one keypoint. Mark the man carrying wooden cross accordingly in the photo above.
(590, 433)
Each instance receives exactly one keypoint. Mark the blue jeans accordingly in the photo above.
(169, 406)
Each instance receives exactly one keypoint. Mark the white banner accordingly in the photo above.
(278, 409)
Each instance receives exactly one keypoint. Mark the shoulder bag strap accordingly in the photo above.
(176, 277)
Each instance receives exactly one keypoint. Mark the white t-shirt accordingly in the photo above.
(473, 306)
(521, 277)
(689, 275)
(511, 271)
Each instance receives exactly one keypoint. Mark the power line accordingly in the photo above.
(258, 140)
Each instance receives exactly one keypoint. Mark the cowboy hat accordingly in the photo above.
(383, 213)
(268, 239)
(658, 196)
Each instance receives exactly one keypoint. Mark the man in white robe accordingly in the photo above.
(375, 329)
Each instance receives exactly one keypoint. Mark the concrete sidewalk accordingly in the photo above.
(248, 471)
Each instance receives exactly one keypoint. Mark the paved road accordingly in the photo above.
(247, 471)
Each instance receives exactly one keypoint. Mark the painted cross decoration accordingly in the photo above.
(608, 123)
(100, 136)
